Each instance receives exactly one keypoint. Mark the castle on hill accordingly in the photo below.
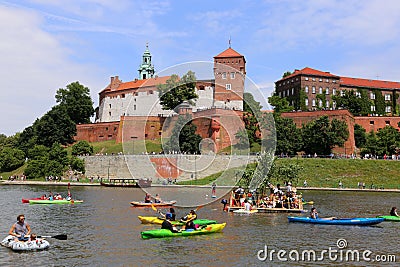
(131, 110)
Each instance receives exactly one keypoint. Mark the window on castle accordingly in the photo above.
(371, 122)
(224, 75)
(123, 96)
(342, 93)
(333, 104)
(334, 81)
(106, 128)
(306, 78)
(320, 103)
(306, 89)
(232, 75)
(109, 113)
(334, 91)
(201, 87)
(313, 102)
(320, 90)
(327, 91)
(388, 109)
(292, 91)
(313, 89)
(358, 94)
(228, 86)
(306, 102)
(387, 97)
(320, 79)
(327, 104)
(372, 95)
(313, 79)
(372, 108)
(327, 80)
(150, 92)
(387, 123)
(110, 105)
(134, 107)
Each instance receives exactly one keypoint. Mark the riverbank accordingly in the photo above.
(64, 183)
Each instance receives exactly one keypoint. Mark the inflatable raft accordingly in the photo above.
(337, 221)
(59, 201)
(160, 233)
(156, 220)
(390, 218)
(38, 244)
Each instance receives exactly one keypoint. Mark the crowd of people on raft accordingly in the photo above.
(56, 196)
(277, 198)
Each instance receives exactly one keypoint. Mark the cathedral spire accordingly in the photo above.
(146, 69)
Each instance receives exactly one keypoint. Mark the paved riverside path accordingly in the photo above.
(146, 166)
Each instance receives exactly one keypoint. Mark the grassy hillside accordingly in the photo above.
(328, 173)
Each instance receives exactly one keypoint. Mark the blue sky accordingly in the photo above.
(47, 44)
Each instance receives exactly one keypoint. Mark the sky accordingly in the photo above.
(47, 44)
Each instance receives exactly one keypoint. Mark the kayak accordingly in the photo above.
(58, 201)
(156, 220)
(338, 221)
(390, 218)
(245, 211)
(162, 204)
(38, 244)
(26, 200)
(160, 233)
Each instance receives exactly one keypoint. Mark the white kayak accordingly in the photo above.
(245, 211)
(38, 244)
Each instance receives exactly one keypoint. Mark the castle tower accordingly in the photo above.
(230, 75)
(146, 69)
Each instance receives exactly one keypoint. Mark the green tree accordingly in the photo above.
(77, 164)
(38, 152)
(183, 137)
(321, 135)
(360, 136)
(176, 90)
(82, 148)
(285, 74)
(77, 102)
(280, 104)
(55, 127)
(11, 158)
(288, 136)
(371, 144)
(388, 141)
(243, 138)
(356, 101)
(27, 139)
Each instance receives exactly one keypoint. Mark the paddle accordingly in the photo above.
(60, 237)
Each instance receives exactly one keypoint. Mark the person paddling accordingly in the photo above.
(168, 225)
(393, 212)
(188, 220)
(314, 213)
(21, 229)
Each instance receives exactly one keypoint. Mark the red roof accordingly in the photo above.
(310, 71)
(145, 83)
(229, 53)
(369, 83)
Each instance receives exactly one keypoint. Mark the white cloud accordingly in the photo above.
(34, 66)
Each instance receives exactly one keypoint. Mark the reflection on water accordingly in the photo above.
(105, 230)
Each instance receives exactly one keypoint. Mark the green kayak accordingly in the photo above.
(59, 201)
(156, 220)
(390, 218)
(160, 233)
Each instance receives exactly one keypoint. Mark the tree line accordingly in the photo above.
(42, 145)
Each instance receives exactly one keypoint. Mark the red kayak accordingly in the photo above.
(26, 200)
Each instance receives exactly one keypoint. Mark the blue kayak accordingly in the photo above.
(337, 221)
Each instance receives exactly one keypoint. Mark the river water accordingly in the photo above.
(105, 231)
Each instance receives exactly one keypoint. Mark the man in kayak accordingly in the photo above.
(21, 229)
(168, 225)
(188, 220)
(147, 198)
(393, 212)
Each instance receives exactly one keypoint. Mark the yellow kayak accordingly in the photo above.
(156, 220)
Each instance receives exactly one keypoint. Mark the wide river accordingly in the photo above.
(105, 231)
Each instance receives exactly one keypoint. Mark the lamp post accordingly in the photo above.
(133, 144)
(195, 167)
